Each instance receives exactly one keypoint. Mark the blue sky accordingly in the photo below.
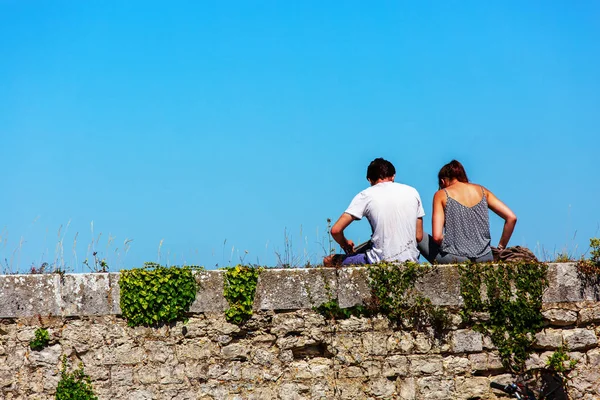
(208, 132)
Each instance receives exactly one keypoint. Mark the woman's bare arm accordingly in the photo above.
(502, 210)
(438, 218)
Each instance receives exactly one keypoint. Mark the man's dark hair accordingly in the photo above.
(380, 169)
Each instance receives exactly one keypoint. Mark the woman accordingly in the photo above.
(460, 222)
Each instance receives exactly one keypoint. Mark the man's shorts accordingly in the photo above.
(355, 259)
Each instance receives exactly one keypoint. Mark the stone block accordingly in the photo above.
(158, 351)
(375, 343)
(300, 370)
(436, 388)
(353, 286)
(354, 324)
(593, 358)
(589, 315)
(85, 294)
(428, 365)
(564, 284)
(292, 391)
(466, 341)
(209, 297)
(472, 387)
(479, 362)
(423, 342)
(286, 323)
(129, 354)
(395, 366)
(400, 342)
(199, 349)
(141, 394)
(454, 365)
(264, 357)
(534, 361)
(441, 285)
(46, 358)
(580, 339)
(121, 375)
(406, 388)
(235, 351)
(292, 289)
(382, 388)
(494, 362)
(29, 295)
(560, 317)
(114, 293)
(548, 339)
(320, 367)
(488, 344)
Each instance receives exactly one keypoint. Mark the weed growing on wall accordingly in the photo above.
(513, 306)
(239, 288)
(156, 294)
(42, 338)
(100, 265)
(561, 363)
(554, 379)
(75, 385)
(394, 295)
(588, 270)
(331, 308)
(591, 265)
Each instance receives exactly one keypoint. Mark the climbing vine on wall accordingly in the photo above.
(394, 294)
(511, 312)
(156, 294)
(75, 385)
(239, 288)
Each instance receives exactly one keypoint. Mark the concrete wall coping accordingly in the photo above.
(72, 295)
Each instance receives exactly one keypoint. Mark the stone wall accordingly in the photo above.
(286, 351)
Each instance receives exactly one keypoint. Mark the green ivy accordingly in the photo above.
(331, 310)
(239, 288)
(394, 294)
(513, 306)
(561, 363)
(156, 294)
(74, 385)
(42, 338)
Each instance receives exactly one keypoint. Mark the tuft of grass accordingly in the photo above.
(563, 257)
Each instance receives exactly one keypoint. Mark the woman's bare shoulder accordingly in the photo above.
(476, 186)
(439, 194)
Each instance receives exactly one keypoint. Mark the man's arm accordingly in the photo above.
(337, 232)
(419, 229)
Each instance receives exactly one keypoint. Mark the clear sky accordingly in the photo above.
(208, 132)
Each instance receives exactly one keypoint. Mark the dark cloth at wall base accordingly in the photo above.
(515, 253)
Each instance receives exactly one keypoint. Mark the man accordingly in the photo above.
(395, 213)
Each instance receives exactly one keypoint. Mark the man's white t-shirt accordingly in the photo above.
(392, 210)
